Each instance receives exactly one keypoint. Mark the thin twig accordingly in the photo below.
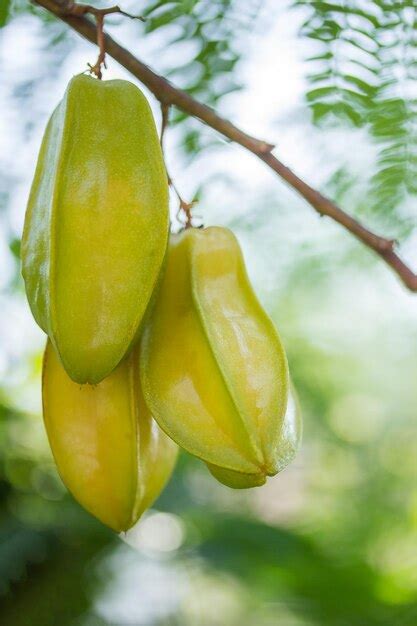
(166, 93)
(79, 10)
(101, 59)
(185, 207)
(164, 122)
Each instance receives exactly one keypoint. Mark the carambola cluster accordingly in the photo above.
(154, 340)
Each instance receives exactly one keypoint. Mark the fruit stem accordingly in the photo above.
(185, 207)
(79, 10)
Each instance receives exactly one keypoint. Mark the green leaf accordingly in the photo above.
(4, 11)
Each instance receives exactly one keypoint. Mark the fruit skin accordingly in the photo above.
(110, 452)
(96, 227)
(287, 448)
(213, 369)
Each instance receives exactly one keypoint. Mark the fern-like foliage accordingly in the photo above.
(363, 74)
(213, 28)
(394, 118)
(343, 76)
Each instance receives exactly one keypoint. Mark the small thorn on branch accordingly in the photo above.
(387, 245)
(265, 148)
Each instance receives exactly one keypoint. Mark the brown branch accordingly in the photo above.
(167, 94)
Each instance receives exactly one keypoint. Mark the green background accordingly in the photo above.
(333, 539)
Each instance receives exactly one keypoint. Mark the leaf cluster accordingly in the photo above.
(362, 73)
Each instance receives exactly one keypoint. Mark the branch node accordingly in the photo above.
(384, 245)
(265, 147)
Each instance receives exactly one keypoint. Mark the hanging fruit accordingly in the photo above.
(287, 447)
(96, 226)
(213, 369)
(110, 453)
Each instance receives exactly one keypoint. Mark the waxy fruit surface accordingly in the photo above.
(110, 453)
(287, 447)
(213, 369)
(96, 226)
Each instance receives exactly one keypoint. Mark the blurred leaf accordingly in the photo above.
(364, 76)
(14, 246)
(4, 11)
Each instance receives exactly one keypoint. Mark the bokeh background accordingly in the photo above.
(333, 539)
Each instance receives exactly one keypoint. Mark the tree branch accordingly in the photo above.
(168, 95)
